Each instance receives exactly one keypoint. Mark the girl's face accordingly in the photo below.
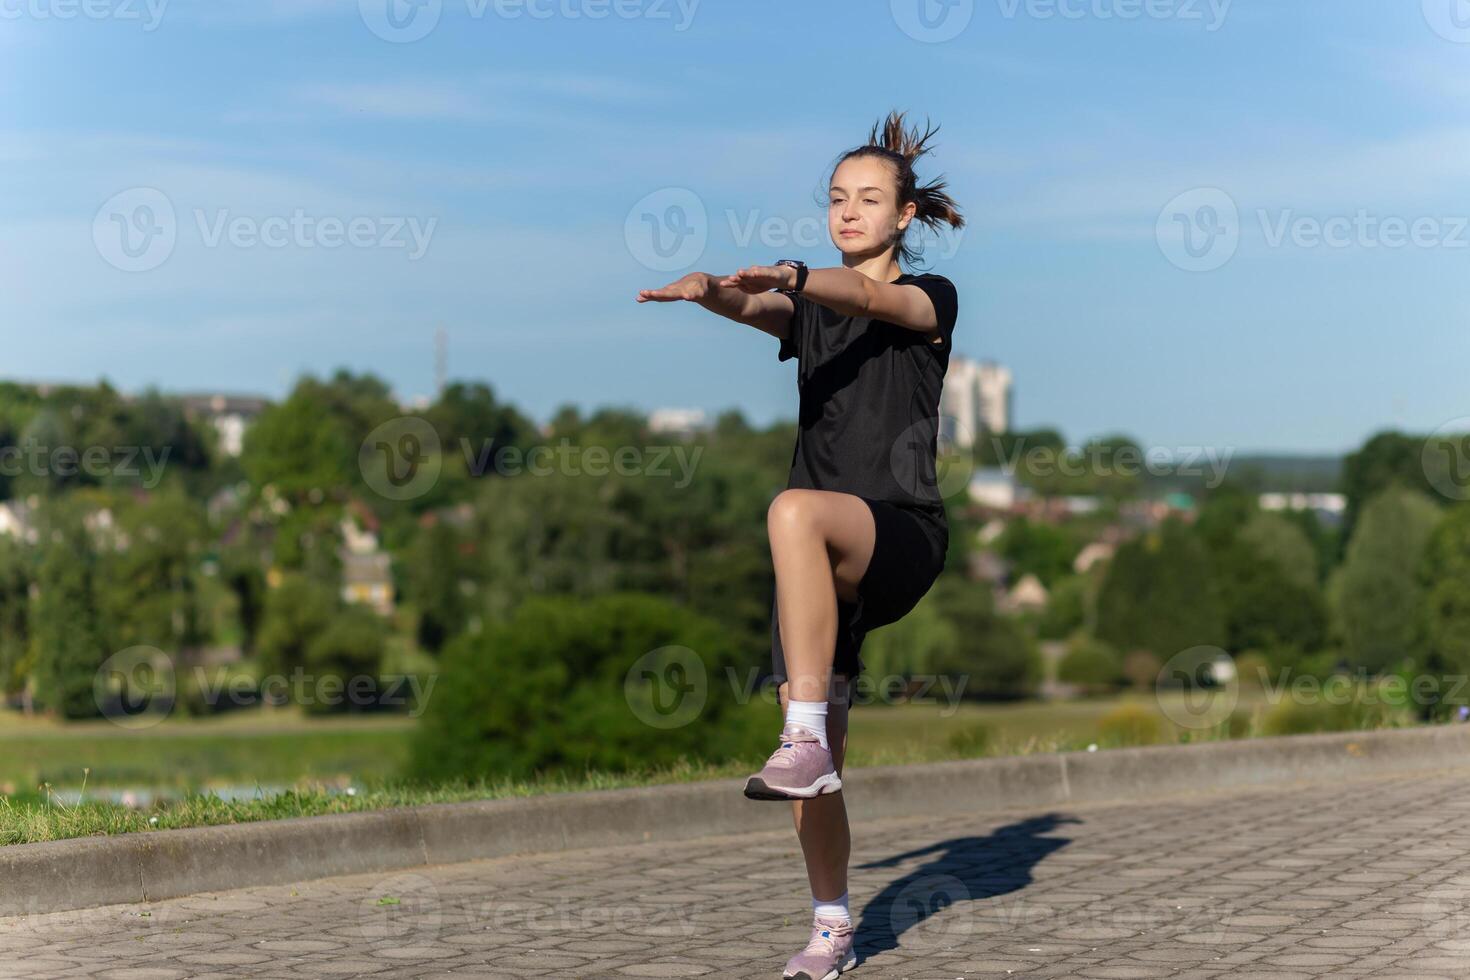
(863, 216)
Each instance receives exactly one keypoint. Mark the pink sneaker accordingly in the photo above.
(828, 953)
(799, 770)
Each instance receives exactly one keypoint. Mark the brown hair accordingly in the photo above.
(901, 147)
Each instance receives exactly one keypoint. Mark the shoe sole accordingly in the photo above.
(757, 788)
(831, 974)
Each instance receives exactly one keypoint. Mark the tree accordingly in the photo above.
(1091, 664)
(437, 572)
(297, 611)
(1044, 550)
(15, 583)
(1445, 580)
(150, 588)
(913, 646)
(66, 638)
(990, 652)
(349, 648)
(1377, 593)
(618, 682)
(1158, 594)
(1388, 459)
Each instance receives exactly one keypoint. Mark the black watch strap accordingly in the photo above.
(801, 272)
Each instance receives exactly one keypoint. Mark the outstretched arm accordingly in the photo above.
(848, 292)
(766, 311)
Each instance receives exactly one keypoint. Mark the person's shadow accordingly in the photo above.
(963, 869)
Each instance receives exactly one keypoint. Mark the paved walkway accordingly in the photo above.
(1363, 879)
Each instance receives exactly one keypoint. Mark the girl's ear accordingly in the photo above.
(907, 215)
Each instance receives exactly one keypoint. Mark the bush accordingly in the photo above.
(972, 740)
(1090, 664)
(1294, 717)
(554, 690)
(1129, 724)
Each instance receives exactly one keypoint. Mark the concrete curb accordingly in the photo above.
(87, 872)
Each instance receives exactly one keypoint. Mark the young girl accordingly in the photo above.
(860, 534)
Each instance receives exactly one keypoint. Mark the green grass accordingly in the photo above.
(322, 759)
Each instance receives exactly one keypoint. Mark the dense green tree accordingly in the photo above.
(1388, 459)
(1274, 538)
(1377, 593)
(1159, 594)
(1445, 580)
(297, 611)
(991, 653)
(1091, 664)
(15, 584)
(1044, 550)
(150, 584)
(66, 637)
(349, 650)
(617, 682)
(914, 646)
(439, 580)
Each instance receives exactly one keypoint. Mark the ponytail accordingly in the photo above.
(901, 147)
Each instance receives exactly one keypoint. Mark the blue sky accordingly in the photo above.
(526, 141)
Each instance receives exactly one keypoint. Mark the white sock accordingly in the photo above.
(835, 909)
(809, 714)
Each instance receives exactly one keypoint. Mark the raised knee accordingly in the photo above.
(791, 510)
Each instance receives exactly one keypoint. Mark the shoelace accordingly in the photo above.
(789, 738)
(822, 940)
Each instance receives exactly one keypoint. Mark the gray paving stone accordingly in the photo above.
(1365, 879)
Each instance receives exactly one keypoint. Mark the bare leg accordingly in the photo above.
(821, 543)
(821, 822)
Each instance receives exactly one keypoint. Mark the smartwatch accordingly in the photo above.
(801, 271)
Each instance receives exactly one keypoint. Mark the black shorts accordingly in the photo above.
(908, 555)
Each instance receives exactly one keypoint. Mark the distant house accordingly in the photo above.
(1327, 506)
(993, 487)
(1028, 595)
(1097, 551)
(230, 416)
(367, 580)
(367, 576)
(682, 423)
(992, 530)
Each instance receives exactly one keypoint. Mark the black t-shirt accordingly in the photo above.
(869, 417)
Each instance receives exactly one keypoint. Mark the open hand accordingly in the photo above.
(761, 278)
(693, 287)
